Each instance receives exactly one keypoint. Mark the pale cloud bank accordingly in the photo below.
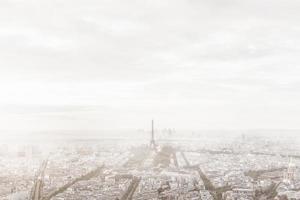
(226, 64)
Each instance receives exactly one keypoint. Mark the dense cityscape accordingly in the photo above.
(149, 100)
(236, 168)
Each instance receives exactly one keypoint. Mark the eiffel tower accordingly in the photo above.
(152, 141)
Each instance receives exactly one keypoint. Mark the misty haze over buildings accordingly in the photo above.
(220, 64)
(149, 99)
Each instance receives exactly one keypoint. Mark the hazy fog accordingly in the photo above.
(190, 64)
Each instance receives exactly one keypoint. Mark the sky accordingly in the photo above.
(112, 64)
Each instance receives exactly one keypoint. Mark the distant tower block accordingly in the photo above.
(291, 170)
(289, 175)
(152, 141)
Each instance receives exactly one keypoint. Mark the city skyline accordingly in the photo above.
(149, 100)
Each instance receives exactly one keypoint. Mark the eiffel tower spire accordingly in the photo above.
(152, 141)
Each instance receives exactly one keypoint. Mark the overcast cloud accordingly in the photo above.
(110, 64)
